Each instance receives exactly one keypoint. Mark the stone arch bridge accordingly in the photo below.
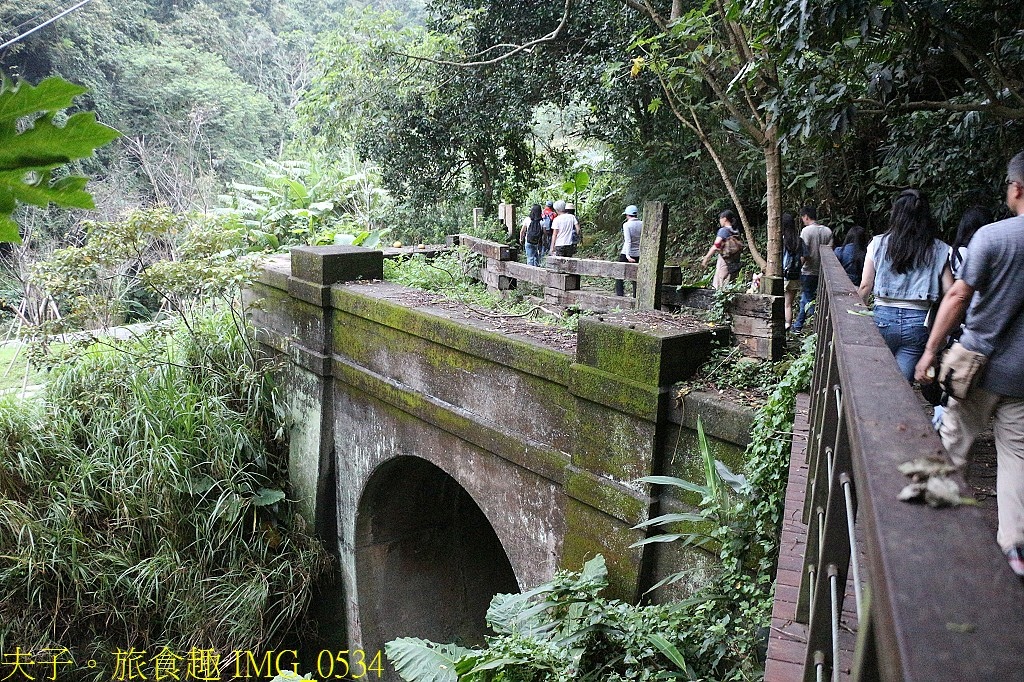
(446, 462)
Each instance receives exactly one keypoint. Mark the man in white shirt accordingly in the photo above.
(563, 229)
(813, 235)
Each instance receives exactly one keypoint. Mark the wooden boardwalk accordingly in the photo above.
(787, 642)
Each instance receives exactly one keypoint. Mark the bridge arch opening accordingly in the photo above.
(427, 560)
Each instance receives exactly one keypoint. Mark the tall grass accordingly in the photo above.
(140, 505)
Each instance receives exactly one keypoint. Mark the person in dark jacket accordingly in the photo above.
(851, 253)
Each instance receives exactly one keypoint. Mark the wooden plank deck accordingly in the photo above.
(787, 642)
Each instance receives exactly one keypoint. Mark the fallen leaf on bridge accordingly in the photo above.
(931, 483)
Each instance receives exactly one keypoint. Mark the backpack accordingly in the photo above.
(534, 232)
(731, 247)
(791, 264)
(545, 224)
(577, 234)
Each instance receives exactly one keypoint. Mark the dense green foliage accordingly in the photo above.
(198, 87)
(761, 106)
(149, 262)
(560, 631)
(564, 629)
(142, 503)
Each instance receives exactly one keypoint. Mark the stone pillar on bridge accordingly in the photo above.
(292, 314)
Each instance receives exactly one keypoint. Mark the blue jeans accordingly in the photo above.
(905, 334)
(532, 254)
(808, 292)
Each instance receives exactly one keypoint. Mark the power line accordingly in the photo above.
(45, 23)
(15, 29)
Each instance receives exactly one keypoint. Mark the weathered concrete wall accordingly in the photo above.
(423, 440)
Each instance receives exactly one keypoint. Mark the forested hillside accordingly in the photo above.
(761, 106)
(197, 88)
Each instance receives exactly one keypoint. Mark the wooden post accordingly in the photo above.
(510, 221)
(652, 256)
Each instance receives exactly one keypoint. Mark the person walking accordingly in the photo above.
(991, 283)
(851, 254)
(728, 247)
(814, 235)
(547, 218)
(532, 234)
(792, 261)
(563, 231)
(971, 221)
(906, 268)
(631, 230)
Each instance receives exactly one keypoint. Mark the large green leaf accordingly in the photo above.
(28, 156)
(45, 144)
(52, 94)
(8, 230)
(676, 482)
(667, 648)
(418, 660)
(68, 192)
(671, 518)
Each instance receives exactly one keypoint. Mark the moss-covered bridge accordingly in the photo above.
(447, 462)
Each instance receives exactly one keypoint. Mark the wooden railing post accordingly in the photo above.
(652, 256)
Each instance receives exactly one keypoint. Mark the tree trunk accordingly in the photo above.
(773, 174)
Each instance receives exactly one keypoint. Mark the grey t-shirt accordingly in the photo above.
(814, 235)
(994, 267)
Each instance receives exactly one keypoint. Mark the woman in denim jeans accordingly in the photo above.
(906, 269)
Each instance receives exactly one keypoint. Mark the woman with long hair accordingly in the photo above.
(851, 254)
(906, 269)
(973, 218)
(792, 254)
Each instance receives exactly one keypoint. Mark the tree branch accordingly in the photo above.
(996, 109)
(512, 51)
(693, 124)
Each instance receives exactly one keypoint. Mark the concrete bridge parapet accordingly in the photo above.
(446, 461)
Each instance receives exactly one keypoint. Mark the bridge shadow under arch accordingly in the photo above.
(427, 560)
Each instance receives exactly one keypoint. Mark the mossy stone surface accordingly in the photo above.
(326, 265)
(648, 356)
(590, 532)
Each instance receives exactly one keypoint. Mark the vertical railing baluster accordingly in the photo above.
(833, 584)
(851, 517)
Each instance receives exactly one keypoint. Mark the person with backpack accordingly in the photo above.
(631, 230)
(852, 253)
(531, 235)
(792, 261)
(729, 249)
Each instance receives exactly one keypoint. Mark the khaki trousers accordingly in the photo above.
(962, 421)
(722, 276)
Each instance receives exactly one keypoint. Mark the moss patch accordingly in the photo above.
(590, 532)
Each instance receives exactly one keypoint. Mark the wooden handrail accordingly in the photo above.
(938, 600)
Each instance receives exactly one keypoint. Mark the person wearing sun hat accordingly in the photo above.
(631, 229)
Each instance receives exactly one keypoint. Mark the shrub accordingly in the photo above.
(143, 504)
